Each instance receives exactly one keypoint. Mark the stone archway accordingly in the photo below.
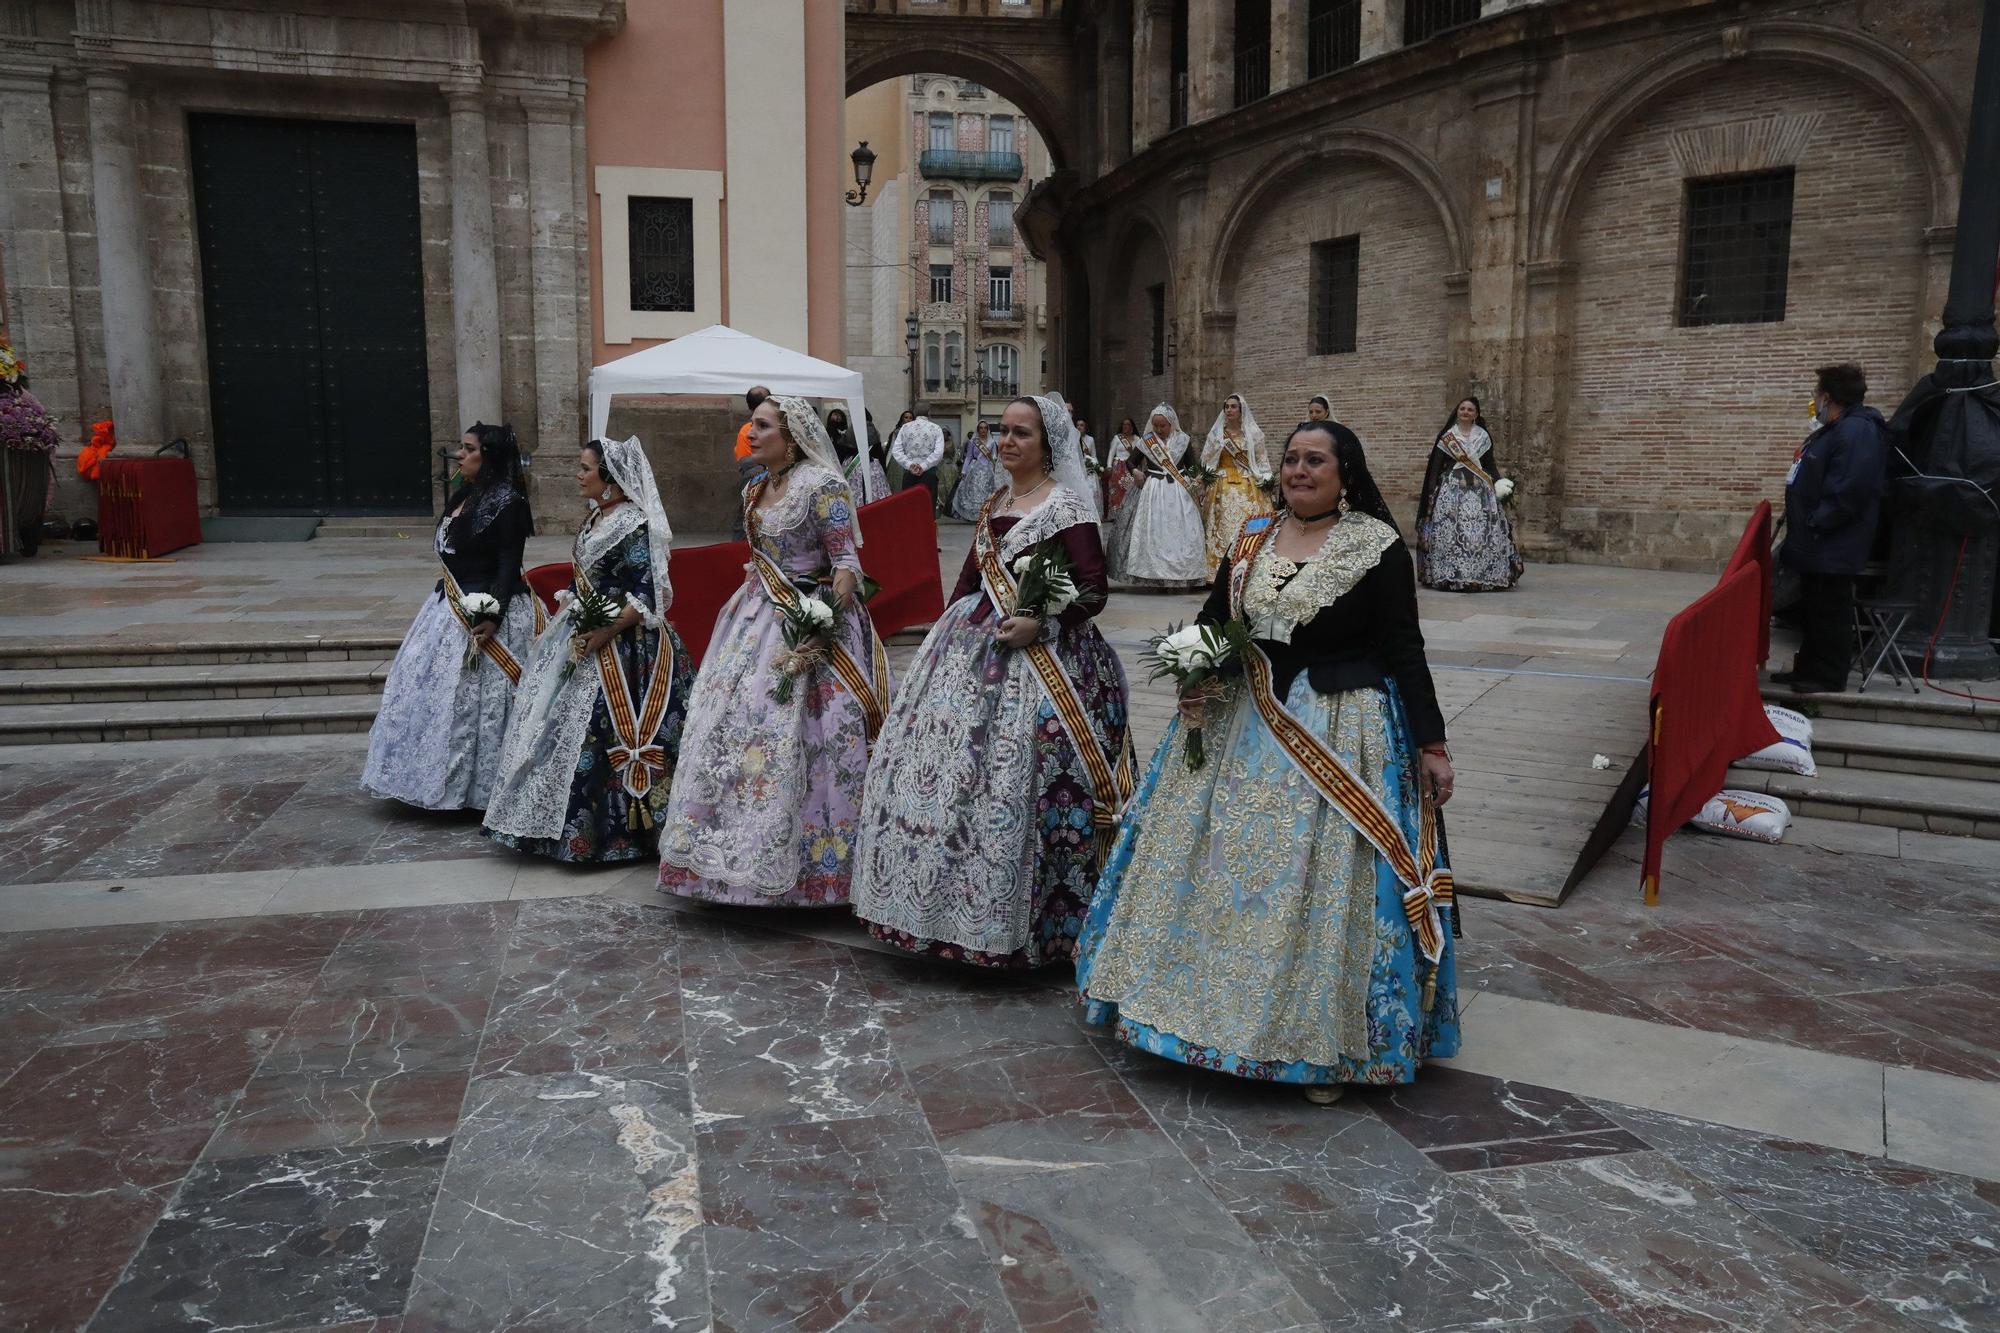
(1028, 62)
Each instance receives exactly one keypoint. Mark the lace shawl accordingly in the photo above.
(1279, 596)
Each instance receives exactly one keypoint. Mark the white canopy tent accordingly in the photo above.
(719, 360)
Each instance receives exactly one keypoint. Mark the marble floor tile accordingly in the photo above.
(1939, 1121)
(73, 1213)
(1661, 1249)
(799, 1043)
(1926, 1242)
(721, 941)
(581, 1007)
(1049, 1106)
(570, 1201)
(350, 1036)
(116, 1089)
(318, 1237)
(1135, 1246)
(101, 903)
(291, 1112)
(849, 1223)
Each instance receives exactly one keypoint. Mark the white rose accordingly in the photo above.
(476, 604)
(818, 612)
(1062, 594)
(1504, 487)
(1021, 564)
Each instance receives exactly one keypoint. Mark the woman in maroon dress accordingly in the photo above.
(1004, 762)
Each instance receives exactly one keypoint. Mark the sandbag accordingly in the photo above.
(1792, 753)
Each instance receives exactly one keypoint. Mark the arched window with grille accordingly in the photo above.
(933, 362)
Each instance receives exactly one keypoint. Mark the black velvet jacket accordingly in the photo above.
(1369, 633)
(489, 560)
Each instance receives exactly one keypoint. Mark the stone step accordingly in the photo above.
(181, 719)
(409, 528)
(214, 680)
(1885, 702)
(1902, 747)
(101, 654)
(1963, 806)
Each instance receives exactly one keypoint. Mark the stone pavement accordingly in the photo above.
(274, 1055)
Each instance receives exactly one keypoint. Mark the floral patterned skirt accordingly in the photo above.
(1468, 542)
(1244, 925)
(603, 822)
(767, 793)
(436, 742)
(1231, 499)
(976, 840)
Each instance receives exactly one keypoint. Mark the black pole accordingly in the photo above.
(1945, 552)
(1967, 339)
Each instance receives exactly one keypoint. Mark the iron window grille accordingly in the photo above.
(1177, 68)
(1424, 19)
(1336, 290)
(1253, 50)
(1333, 36)
(661, 260)
(941, 284)
(1736, 249)
(940, 217)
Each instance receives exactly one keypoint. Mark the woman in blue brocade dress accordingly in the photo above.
(575, 783)
(979, 825)
(1244, 923)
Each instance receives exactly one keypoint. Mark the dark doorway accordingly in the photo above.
(313, 286)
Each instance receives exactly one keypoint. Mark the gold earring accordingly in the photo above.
(1343, 506)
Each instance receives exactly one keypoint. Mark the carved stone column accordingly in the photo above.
(131, 324)
(40, 311)
(1211, 59)
(1381, 27)
(1289, 39)
(553, 229)
(1152, 69)
(475, 283)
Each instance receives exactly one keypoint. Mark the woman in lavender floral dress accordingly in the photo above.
(981, 826)
(764, 808)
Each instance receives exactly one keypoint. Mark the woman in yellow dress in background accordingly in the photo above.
(1235, 452)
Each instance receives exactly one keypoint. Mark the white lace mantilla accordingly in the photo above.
(1281, 595)
(805, 481)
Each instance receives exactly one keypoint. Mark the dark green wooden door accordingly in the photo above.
(313, 288)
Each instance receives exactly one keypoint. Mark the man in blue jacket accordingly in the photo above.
(1833, 500)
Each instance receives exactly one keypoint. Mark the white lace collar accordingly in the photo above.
(603, 532)
(1061, 508)
(1279, 596)
(807, 480)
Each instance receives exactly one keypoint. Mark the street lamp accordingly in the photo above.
(864, 171)
(910, 346)
(1946, 540)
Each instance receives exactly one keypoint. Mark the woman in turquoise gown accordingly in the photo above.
(1244, 921)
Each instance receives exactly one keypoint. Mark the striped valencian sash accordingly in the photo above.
(493, 648)
(1455, 449)
(1111, 784)
(1156, 450)
(637, 759)
(1427, 886)
(870, 689)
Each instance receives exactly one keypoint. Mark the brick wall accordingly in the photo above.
(1391, 390)
(1710, 416)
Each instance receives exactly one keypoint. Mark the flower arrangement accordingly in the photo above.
(1503, 490)
(25, 424)
(808, 626)
(1045, 582)
(479, 608)
(13, 370)
(1195, 657)
(588, 612)
(103, 439)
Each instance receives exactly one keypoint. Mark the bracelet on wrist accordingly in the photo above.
(1439, 748)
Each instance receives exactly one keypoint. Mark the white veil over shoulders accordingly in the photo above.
(808, 432)
(626, 461)
(1065, 448)
(1253, 439)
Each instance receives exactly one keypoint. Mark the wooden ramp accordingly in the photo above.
(1528, 798)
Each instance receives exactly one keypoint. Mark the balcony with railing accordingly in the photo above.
(951, 164)
(1333, 36)
(1013, 314)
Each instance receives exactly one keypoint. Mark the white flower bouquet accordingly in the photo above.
(1193, 657)
(808, 626)
(1503, 490)
(478, 608)
(1045, 582)
(588, 612)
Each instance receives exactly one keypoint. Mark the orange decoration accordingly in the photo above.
(102, 441)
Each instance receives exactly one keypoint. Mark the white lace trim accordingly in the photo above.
(1281, 595)
(1063, 508)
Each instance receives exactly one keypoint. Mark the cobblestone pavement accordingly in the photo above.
(274, 1055)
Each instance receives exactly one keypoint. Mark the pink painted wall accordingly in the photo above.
(655, 99)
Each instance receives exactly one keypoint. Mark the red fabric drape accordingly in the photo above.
(900, 553)
(1754, 547)
(1706, 710)
(146, 507)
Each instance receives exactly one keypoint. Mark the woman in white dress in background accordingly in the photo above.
(1163, 544)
